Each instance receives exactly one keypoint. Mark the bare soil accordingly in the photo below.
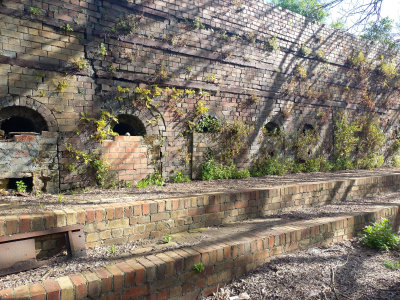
(17, 204)
(105, 255)
(345, 270)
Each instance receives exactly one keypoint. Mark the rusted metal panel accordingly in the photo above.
(17, 256)
(76, 242)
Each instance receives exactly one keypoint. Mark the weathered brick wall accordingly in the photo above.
(228, 57)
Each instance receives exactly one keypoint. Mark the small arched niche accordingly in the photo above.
(272, 128)
(307, 127)
(21, 119)
(129, 125)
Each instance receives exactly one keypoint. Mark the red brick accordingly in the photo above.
(24, 138)
(136, 291)
(129, 274)
(163, 295)
(106, 279)
(37, 292)
(52, 289)
(118, 278)
(137, 209)
(24, 223)
(6, 294)
(22, 292)
(90, 215)
(80, 287)
(119, 212)
(99, 214)
(11, 225)
(145, 208)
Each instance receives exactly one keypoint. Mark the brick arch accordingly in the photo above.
(35, 105)
(144, 115)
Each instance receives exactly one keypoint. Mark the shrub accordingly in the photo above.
(317, 164)
(21, 186)
(391, 265)
(152, 179)
(212, 171)
(179, 177)
(208, 123)
(273, 166)
(380, 236)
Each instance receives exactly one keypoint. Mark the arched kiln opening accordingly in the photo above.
(129, 125)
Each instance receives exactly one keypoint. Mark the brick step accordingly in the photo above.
(170, 274)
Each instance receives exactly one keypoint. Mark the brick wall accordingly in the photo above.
(232, 48)
(121, 222)
(128, 155)
(170, 275)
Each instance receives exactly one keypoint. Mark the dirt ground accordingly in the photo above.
(12, 204)
(101, 256)
(345, 270)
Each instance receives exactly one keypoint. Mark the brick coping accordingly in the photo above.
(170, 275)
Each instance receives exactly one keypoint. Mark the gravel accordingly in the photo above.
(343, 270)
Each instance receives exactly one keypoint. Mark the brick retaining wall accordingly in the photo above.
(170, 275)
(121, 222)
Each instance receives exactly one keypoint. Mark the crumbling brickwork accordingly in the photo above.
(258, 62)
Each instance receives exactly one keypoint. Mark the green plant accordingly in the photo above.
(152, 179)
(125, 26)
(201, 108)
(395, 265)
(272, 44)
(304, 50)
(380, 236)
(250, 37)
(199, 268)
(299, 71)
(197, 24)
(80, 63)
(60, 197)
(60, 86)
(223, 35)
(67, 28)
(161, 72)
(345, 141)
(312, 9)
(208, 123)
(179, 177)
(167, 239)
(112, 249)
(212, 171)
(103, 50)
(111, 69)
(387, 69)
(101, 125)
(211, 79)
(357, 61)
(233, 139)
(320, 54)
(21, 186)
(35, 11)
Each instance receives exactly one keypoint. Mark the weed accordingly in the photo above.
(112, 249)
(179, 177)
(67, 28)
(153, 179)
(102, 50)
(304, 50)
(299, 71)
(35, 11)
(111, 69)
(380, 236)
(211, 79)
(272, 44)
(161, 72)
(80, 63)
(208, 123)
(167, 239)
(395, 265)
(223, 35)
(357, 61)
(197, 24)
(387, 69)
(125, 27)
(60, 197)
(199, 268)
(21, 186)
(320, 54)
(61, 86)
(201, 108)
(212, 171)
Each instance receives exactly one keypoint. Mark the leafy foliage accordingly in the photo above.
(21, 186)
(198, 268)
(208, 123)
(381, 31)
(212, 171)
(311, 9)
(152, 179)
(395, 265)
(179, 177)
(380, 236)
